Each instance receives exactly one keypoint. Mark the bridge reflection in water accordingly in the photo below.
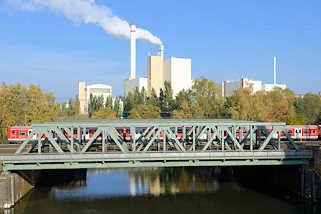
(151, 190)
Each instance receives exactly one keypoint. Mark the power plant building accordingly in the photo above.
(228, 87)
(96, 90)
(176, 71)
(155, 66)
(131, 84)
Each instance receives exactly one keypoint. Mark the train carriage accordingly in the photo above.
(17, 134)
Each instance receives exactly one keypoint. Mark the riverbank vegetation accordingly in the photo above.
(22, 105)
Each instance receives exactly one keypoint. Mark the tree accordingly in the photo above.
(208, 102)
(186, 110)
(152, 99)
(141, 111)
(281, 105)
(117, 106)
(109, 102)
(308, 108)
(95, 104)
(20, 105)
(166, 101)
(129, 104)
(242, 105)
(104, 113)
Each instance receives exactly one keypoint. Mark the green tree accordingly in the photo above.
(109, 102)
(208, 103)
(308, 108)
(96, 103)
(152, 99)
(141, 111)
(104, 113)
(129, 104)
(166, 101)
(281, 105)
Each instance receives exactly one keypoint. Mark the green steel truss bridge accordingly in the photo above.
(75, 144)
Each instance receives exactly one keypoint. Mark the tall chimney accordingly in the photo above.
(132, 51)
(274, 71)
(161, 51)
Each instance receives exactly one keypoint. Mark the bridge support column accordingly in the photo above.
(12, 188)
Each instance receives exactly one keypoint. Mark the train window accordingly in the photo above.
(75, 131)
(13, 132)
(22, 133)
(87, 131)
(290, 131)
(306, 131)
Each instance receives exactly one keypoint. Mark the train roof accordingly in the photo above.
(19, 127)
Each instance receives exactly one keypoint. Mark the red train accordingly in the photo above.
(17, 134)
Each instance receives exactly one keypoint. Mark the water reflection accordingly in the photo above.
(157, 181)
(154, 190)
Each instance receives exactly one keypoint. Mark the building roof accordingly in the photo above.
(98, 86)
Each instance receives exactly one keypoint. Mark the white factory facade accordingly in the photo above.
(96, 90)
(176, 71)
(228, 87)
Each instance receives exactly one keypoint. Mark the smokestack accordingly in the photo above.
(161, 51)
(274, 71)
(132, 51)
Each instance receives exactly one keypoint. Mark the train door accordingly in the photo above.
(297, 133)
(306, 133)
(88, 134)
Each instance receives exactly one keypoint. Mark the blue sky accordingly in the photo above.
(226, 40)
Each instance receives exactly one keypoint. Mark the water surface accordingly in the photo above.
(152, 191)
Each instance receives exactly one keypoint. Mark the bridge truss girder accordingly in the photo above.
(155, 135)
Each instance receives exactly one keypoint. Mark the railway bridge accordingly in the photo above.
(74, 144)
(83, 144)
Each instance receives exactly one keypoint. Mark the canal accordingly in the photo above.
(156, 190)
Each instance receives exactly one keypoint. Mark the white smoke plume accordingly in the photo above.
(86, 11)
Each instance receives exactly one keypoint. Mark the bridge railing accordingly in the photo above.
(130, 135)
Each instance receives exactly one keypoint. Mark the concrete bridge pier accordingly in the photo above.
(12, 188)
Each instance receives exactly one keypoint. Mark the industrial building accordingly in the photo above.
(155, 73)
(176, 71)
(228, 87)
(131, 84)
(97, 90)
